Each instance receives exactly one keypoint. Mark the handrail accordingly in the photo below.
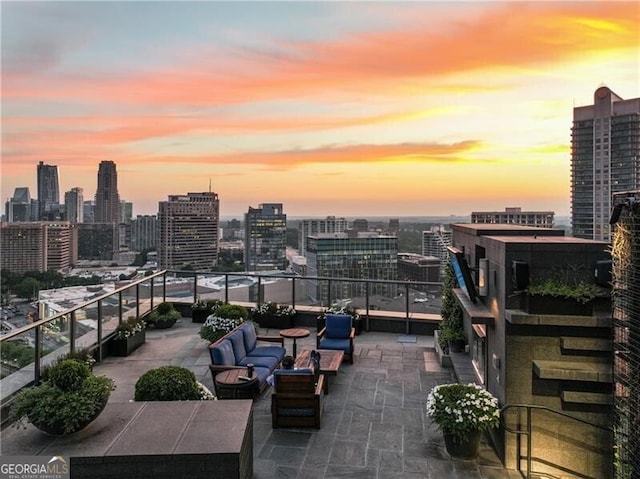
(69, 315)
(528, 430)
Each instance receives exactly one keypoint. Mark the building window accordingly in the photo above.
(479, 352)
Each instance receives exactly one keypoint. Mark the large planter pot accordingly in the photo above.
(165, 324)
(467, 448)
(457, 346)
(57, 429)
(199, 315)
(124, 347)
(543, 304)
(275, 322)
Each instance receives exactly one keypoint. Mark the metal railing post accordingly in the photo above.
(72, 332)
(195, 287)
(137, 300)
(328, 293)
(406, 304)
(120, 307)
(293, 293)
(226, 288)
(37, 352)
(99, 316)
(529, 441)
(366, 304)
(164, 287)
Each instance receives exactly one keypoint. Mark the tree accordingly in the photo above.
(28, 288)
(452, 326)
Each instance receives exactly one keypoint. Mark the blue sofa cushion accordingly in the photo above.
(262, 373)
(222, 354)
(331, 343)
(276, 352)
(338, 325)
(250, 338)
(263, 361)
(237, 341)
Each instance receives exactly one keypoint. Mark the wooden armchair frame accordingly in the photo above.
(297, 393)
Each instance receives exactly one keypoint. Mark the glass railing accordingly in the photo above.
(26, 350)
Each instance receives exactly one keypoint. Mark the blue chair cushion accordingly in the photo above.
(331, 343)
(293, 372)
(277, 352)
(237, 341)
(263, 361)
(296, 412)
(250, 337)
(338, 325)
(222, 354)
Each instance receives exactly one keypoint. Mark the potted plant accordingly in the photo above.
(272, 315)
(555, 296)
(462, 412)
(451, 336)
(201, 309)
(225, 319)
(129, 336)
(348, 309)
(164, 316)
(170, 383)
(67, 402)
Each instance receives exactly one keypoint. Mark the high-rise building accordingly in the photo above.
(87, 211)
(435, 242)
(188, 231)
(126, 211)
(311, 227)
(359, 255)
(265, 238)
(107, 199)
(515, 216)
(74, 205)
(37, 246)
(48, 191)
(605, 158)
(96, 241)
(18, 208)
(144, 234)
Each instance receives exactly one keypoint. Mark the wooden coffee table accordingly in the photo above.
(229, 386)
(295, 333)
(330, 361)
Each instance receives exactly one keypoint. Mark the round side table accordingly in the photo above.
(295, 333)
(229, 385)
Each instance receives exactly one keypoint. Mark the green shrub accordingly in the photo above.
(232, 311)
(66, 403)
(69, 375)
(167, 383)
(164, 313)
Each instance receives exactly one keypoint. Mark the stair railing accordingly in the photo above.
(519, 432)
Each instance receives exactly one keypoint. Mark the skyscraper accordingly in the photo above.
(362, 255)
(265, 239)
(18, 208)
(107, 207)
(605, 158)
(188, 231)
(48, 191)
(435, 242)
(312, 227)
(74, 205)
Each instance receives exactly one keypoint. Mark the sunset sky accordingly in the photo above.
(331, 108)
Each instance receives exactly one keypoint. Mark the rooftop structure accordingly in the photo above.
(541, 219)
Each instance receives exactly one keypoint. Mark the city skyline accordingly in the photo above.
(346, 109)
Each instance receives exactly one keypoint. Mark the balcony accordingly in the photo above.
(373, 426)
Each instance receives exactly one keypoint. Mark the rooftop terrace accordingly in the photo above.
(374, 425)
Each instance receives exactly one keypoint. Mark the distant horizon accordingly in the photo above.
(354, 107)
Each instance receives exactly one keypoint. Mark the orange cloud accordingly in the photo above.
(508, 35)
